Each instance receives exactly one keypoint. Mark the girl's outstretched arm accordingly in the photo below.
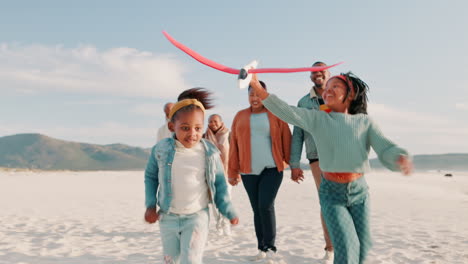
(390, 155)
(301, 117)
(151, 187)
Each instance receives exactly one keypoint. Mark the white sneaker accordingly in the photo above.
(227, 230)
(219, 232)
(328, 258)
(261, 255)
(270, 257)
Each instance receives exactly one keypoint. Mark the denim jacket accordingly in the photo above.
(158, 174)
(301, 137)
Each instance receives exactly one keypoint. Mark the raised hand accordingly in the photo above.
(255, 84)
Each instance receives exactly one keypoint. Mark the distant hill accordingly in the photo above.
(436, 162)
(442, 162)
(36, 151)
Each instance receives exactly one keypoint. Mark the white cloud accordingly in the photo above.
(421, 132)
(85, 69)
(154, 110)
(461, 106)
(97, 102)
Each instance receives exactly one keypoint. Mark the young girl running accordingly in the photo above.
(183, 175)
(344, 137)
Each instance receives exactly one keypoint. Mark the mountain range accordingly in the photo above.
(434, 162)
(36, 151)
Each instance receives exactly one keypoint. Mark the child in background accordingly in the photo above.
(183, 175)
(218, 134)
(343, 138)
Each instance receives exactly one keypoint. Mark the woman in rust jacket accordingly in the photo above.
(259, 152)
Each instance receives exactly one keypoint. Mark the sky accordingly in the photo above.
(101, 71)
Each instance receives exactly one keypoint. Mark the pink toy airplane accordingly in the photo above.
(244, 74)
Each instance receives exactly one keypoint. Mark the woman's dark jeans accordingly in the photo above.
(262, 190)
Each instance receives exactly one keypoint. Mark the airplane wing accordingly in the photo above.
(226, 69)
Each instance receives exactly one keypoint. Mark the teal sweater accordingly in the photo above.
(343, 141)
(300, 137)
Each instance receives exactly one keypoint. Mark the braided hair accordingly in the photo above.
(359, 103)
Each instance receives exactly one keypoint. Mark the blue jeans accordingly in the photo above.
(262, 190)
(184, 236)
(345, 208)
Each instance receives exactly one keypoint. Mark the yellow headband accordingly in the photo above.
(177, 106)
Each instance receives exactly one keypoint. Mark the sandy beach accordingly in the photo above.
(97, 217)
